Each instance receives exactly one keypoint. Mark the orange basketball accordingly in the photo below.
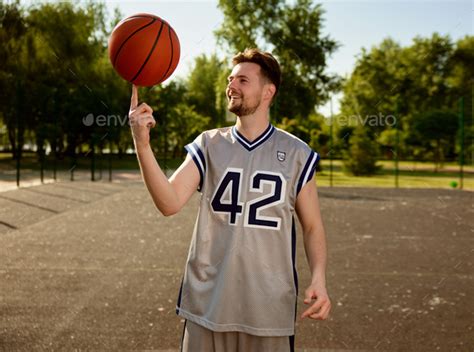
(144, 49)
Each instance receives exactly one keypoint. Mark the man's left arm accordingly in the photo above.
(307, 208)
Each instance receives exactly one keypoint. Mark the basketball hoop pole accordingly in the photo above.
(461, 138)
(330, 145)
(397, 142)
(18, 146)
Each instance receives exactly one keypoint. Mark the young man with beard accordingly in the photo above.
(240, 286)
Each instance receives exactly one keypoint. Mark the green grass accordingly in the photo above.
(423, 177)
(126, 162)
(411, 174)
(422, 165)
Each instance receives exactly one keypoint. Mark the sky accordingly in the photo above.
(354, 24)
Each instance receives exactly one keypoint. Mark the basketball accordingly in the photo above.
(144, 49)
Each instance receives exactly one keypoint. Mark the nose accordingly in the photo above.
(231, 85)
(231, 91)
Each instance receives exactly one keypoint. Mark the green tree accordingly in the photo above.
(204, 90)
(343, 136)
(405, 83)
(425, 68)
(370, 90)
(309, 129)
(12, 35)
(178, 122)
(461, 77)
(70, 42)
(185, 125)
(292, 32)
(438, 130)
(163, 99)
(462, 82)
(361, 157)
(387, 141)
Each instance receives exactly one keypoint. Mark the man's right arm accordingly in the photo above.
(170, 195)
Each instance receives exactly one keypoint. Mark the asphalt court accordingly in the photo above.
(93, 265)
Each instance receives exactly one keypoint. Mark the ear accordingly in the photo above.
(270, 90)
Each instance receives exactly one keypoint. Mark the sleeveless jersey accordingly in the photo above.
(240, 273)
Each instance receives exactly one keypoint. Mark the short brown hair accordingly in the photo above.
(269, 66)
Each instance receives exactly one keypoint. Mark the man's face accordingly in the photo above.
(245, 89)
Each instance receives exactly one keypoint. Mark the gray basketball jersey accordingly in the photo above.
(240, 273)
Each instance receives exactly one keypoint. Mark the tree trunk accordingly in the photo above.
(21, 140)
(12, 139)
(437, 155)
(71, 146)
(441, 156)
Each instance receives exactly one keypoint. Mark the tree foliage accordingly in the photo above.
(436, 128)
(55, 74)
(362, 154)
(293, 33)
(410, 86)
(205, 93)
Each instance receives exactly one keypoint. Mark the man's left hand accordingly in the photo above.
(319, 310)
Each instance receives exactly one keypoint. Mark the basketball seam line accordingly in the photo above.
(141, 16)
(131, 35)
(151, 16)
(171, 59)
(149, 54)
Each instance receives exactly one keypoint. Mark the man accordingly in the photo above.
(240, 287)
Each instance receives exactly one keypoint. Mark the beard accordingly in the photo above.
(242, 107)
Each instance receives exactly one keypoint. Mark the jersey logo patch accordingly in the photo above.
(281, 156)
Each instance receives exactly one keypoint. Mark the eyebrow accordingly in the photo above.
(242, 76)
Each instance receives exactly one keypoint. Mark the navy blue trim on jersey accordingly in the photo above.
(198, 158)
(184, 331)
(292, 343)
(178, 304)
(308, 171)
(293, 259)
(257, 142)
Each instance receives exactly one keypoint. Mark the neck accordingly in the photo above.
(252, 126)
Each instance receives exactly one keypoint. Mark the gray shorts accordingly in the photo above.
(197, 338)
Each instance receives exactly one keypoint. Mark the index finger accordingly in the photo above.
(134, 100)
(312, 310)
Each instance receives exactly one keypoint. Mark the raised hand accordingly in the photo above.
(141, 120)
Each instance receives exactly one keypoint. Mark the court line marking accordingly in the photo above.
(29, 204)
